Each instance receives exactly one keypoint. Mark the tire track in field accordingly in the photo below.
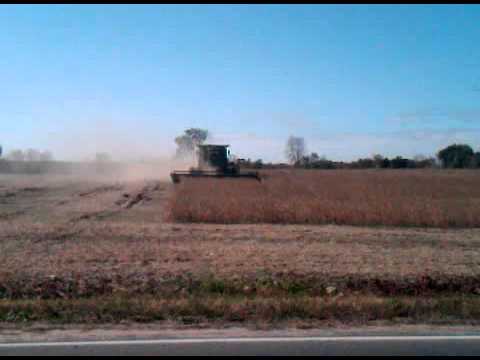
(128, 200)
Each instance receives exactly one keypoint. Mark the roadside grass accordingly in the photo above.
(265, 301)
(242, 309)
(71, 286)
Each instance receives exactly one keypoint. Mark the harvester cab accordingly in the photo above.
(214, 161)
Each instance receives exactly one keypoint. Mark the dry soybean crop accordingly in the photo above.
(427, 198)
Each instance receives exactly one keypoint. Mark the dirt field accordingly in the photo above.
(73, 241)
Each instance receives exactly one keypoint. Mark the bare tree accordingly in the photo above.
(295, 149)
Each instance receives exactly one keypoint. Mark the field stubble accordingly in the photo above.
(100, 251)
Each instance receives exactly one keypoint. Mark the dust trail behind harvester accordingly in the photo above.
(107, 151)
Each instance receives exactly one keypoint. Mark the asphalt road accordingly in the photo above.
(349, 345)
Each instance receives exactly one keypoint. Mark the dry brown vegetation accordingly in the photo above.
(100, 250)
(304, 311)
(100, 257)
(432, 198)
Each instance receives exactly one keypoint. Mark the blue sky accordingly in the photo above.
(352, 80)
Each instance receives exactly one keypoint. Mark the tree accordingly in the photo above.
(321, 162)
(379, 160)
(364, 163)
(29, 155)
(421, 161)
(32, 155)
(102, 157)
(456, 156)
(304, 162)
(258, 164)
(295, 149)
(45, 156)
(16, 155)
(399, 162)
(476, 160)
(314, 157)
(187, 142)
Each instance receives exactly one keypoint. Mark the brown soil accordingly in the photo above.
(72, 239)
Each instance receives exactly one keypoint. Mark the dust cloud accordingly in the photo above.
(130, 152)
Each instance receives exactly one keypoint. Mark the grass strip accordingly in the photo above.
(193, 309)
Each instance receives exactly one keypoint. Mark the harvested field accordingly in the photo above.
(74, 250)
(424, 198)
(104, 257)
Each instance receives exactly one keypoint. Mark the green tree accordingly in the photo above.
(476, 160)
(378, 160)
(399, 162)
(456, 156)
(187, 142)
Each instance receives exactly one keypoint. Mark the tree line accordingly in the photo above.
(455, 156)
(33, 155)
(27, 155)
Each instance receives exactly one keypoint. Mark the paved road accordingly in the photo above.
(353, 345)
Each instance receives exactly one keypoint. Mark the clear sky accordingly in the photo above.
(352, 80)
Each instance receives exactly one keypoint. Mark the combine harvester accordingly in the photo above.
(214, 161)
